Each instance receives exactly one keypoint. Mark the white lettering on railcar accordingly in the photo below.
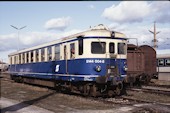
(95, 61)
(57, 68)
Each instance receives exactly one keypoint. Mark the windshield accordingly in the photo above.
(98, 47)
(121, 48)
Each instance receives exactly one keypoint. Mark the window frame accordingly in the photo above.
(93, 52)
(159, 62)
(57, 53)
(80, 46)
(118, 49)
(113, 47)
(72, 50)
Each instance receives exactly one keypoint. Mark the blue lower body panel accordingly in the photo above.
(77, 69)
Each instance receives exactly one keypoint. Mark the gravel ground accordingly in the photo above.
(65, 103)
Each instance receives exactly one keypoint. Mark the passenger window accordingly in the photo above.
(32, 56)
(49, 53)
(65, 52)
(42, 54)
(111, 47)
(57, 52)
(19, 58)
(98, 47)
(167, 62)
(121, 48)
(23, 58)
(72, 51)
(161, 62)
(80, 46)
(27, 57)
(37, 55)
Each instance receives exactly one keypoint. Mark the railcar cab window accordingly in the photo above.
(98, 47)
(160, 62)
(121, 48)
(111, 47)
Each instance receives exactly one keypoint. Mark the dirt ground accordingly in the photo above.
(64, 103)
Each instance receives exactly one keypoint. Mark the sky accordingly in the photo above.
(48, 21)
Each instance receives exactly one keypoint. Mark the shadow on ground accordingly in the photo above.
(24, 104)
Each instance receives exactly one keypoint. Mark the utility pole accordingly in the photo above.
(18, 29)
(154, 33)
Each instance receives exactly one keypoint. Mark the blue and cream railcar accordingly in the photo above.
(92, 62)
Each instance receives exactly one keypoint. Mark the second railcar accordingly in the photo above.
(141, 63)
(149, 61)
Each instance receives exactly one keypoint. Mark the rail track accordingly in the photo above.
(123, 100)
(152, 89)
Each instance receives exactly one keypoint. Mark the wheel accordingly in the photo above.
(86, 89)
(93, 91)
(117, 91)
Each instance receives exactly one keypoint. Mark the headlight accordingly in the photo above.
(125, 68)
(98, 68)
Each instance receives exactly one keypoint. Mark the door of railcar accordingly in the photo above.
(65, 50)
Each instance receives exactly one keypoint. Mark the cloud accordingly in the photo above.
(138, 11)
(127, 11)
(58, 23)
(142, 34)
(29, 39)
(91, 6)
(160, 11)
(9, 42)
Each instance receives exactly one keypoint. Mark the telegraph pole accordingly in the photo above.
(154, 33)
(18, 29)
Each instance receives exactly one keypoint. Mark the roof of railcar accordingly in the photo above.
(163, 56)
(99, 30)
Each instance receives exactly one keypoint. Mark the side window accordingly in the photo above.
(32, 58)
(19, 58)
(57, 52)
(72, 51)
(111, 47)
(14, 59)
(160, 62)
(80, 42)
(42, 54)
(65, 52)
(27, 57)
(49, 53)
(10, 59)
(121, 48)
(23, 58)
(37, 55)
(167, 62)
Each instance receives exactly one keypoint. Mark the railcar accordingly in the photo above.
(141, 63)
(92, 62)
(3, 66)
(163, 66)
